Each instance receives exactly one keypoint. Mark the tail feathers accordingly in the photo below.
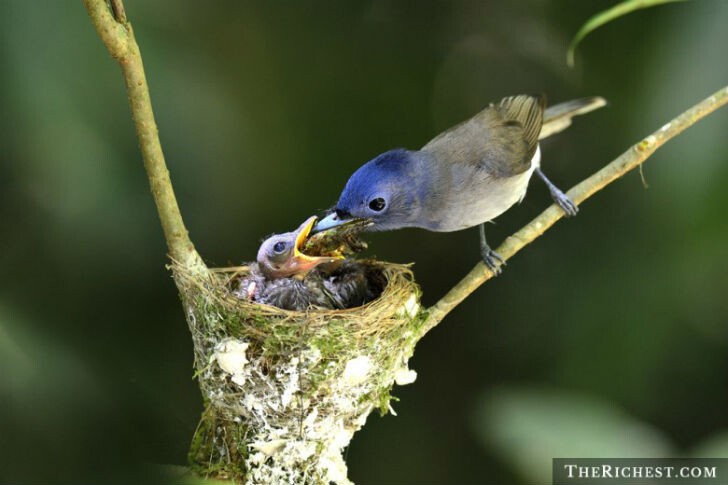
(558, 117)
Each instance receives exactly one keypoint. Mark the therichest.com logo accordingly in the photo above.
(638, 471)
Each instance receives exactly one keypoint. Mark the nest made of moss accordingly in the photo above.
(270, 375)
(394, 282)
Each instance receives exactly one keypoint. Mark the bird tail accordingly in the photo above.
(558, 117)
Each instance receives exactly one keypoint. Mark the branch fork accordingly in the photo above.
(233, 340)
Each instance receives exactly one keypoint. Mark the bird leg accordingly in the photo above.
(492, 260)
(561, 199)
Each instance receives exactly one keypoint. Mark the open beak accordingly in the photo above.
(302, 262)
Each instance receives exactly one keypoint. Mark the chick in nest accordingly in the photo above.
(287, 278)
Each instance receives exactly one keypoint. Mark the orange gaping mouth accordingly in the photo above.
(303, 262)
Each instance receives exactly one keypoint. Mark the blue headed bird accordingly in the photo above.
(464, 177)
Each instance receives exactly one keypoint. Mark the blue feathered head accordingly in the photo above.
(381, 190)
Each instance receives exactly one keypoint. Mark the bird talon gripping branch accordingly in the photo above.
(566, 204)
(493, 261)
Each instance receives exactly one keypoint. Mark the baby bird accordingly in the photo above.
(281, 278)
(286, 278)
(466, 176)
(350, 285)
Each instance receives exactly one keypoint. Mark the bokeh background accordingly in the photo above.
(608, 336)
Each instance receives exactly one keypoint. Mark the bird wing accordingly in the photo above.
(501, 139)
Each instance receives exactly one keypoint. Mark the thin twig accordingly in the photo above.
(629, 160)
(117, 34)
(230, 269)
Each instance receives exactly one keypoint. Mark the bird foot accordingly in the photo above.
(492, 260)
(563, 201)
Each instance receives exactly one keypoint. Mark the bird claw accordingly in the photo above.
(492, 260)
(566, 204)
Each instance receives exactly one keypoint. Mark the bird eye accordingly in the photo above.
(279, 247)
(377, 205)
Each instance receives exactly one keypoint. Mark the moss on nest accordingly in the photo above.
(285, 391)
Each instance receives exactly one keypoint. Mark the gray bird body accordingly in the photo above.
(466, 204)
(486, 162)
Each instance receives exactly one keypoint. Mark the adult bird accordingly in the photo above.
(285, 277)
(465, 177)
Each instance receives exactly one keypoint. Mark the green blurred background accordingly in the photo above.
(607, 337)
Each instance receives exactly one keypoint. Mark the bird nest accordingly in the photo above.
(285, 391)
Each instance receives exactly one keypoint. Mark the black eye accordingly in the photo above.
(279, 247)
(377, 205)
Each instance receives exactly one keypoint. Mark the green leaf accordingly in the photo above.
(606, 16)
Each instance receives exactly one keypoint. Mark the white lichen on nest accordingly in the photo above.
(230, 356)
(286, 391)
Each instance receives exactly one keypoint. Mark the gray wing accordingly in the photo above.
(501, 139)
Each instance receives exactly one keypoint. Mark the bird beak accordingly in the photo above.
(302, 262)
(332, 220)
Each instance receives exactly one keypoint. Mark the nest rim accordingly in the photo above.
(398, 300)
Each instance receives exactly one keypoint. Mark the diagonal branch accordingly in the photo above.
(629, 160)
(117, 34)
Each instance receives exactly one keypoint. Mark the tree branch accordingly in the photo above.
(629, 160)
(117, 34)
